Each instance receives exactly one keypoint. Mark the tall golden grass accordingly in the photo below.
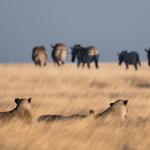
(69, 90)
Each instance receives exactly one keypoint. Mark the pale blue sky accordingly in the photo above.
(110, 25)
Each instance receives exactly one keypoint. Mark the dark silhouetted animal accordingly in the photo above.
(148, 55)
(118, 109)
(85, 55)
(51, 118)
(39, 56)
(129, 58)
(59, 53)
(22, 111)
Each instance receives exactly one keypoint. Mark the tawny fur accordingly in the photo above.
(118, 110)
(59, 53)
(22, 111)
(51, 118)
(39, 56)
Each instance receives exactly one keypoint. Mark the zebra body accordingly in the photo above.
(39, 56)
(129, 58)
(85, 55)
(59, 53)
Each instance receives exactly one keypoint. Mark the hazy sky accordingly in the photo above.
(110, 25)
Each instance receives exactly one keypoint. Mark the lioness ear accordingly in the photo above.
(29, 99)
(111, 104)
(17, 101)
(125, 102)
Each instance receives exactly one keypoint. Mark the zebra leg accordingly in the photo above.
(135, 65)
(40, 63)
(139, 63)
(88, 65)
(78, 63)
(96, 64)
(45, 63)
(36, 63)
(57, 62)
(83, 65)
(62, 62)
(127, 66)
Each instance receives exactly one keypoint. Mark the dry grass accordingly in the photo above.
(70, 90)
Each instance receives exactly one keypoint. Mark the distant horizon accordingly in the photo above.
(143, 58)
(67, 62)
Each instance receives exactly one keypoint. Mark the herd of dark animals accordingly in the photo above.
(83, 55)
(22, 112)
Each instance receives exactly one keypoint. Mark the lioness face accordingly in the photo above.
(23, 103)
(120, 107)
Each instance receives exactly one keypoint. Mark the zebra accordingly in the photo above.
(59, 53)
(148, 55)
(129, 58)
(85, 55)
(39, 56)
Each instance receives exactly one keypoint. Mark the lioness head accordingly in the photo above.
(120, 106)
(23, 103)
(91, 112)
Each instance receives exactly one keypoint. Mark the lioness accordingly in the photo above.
(80, 116)
(116, 109)
(22, 111)
(51, 118)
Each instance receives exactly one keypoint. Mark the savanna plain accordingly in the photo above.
(68, 90)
